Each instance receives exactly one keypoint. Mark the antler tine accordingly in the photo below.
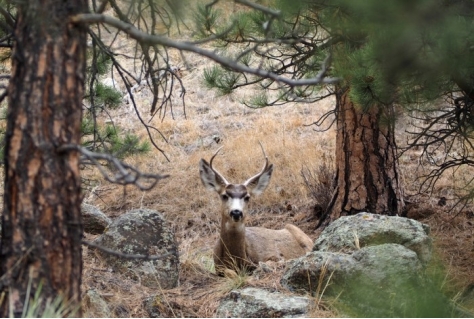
(265, 155)
(265, 168)
(212, 158)
(221, 179)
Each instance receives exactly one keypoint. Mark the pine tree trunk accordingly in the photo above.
(41, 231)
(367, 178)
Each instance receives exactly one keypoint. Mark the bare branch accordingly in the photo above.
(253, 5)
(8, 17)
(125, 174)
(102, 6)
(126, 256)
(146, 38)
(125, 76)
(444, 136)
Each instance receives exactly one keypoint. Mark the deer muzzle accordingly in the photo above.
(236, 215)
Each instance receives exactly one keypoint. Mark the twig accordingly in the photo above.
(126, 174)
(253, 5)
(126, 256)
(8, 17)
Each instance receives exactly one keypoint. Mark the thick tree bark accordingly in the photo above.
(41, 231)
(367, 176)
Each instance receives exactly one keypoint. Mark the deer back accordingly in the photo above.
(263, 244)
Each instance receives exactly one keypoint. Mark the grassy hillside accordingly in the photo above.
(210, 121)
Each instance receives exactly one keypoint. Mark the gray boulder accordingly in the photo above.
(142, 232)
(388, 265)
(259, 303)
(393, 283)
(374, 265)
(312, 272)
(371, 229)
(94, 221)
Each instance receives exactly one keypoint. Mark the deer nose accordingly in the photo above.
(236, 214)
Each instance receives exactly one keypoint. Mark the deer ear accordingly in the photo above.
(257, 184)
(210, 178)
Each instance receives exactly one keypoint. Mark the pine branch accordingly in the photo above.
(126, 174)
(148, 39)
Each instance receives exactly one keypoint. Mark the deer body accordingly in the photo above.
(240, 247)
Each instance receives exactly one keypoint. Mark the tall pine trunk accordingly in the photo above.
(367, 178)
(41, 223)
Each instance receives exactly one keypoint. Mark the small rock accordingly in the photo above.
(93, 220)
(155, 306)
(258, 303)
(121, 311)
(98, 306)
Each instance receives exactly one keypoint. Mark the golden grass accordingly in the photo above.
(192, 210)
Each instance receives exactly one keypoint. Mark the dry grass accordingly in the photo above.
(192, 210)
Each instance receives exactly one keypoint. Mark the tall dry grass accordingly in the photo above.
(214, 121)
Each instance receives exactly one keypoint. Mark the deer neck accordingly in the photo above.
(233, 238)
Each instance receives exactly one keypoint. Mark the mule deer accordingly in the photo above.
(240, 247)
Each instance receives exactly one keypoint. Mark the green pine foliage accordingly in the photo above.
(110, 139)
(258, 20)
(104, 96)
(258, 100)
(205, 20)
(243, 25)
(107, 96)
(106, 138)
(412, 47)
(218, 78)
(101, 65)
(272, 41)
(126, 144)
(398, 51)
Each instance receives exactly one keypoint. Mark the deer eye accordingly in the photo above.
(224, 197)
(247, 198)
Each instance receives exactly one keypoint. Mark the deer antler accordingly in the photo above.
(266, 158)
(220, 179)
(265, 168)
(212, 158)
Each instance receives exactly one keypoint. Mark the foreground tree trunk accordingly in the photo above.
(367, 176)
(41, 231)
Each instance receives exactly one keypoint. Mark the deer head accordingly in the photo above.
(234, 197)
(239, 247)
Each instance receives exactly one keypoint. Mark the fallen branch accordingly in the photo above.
(126, 256)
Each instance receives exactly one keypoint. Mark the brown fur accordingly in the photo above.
(240, 247)
(260, 245)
